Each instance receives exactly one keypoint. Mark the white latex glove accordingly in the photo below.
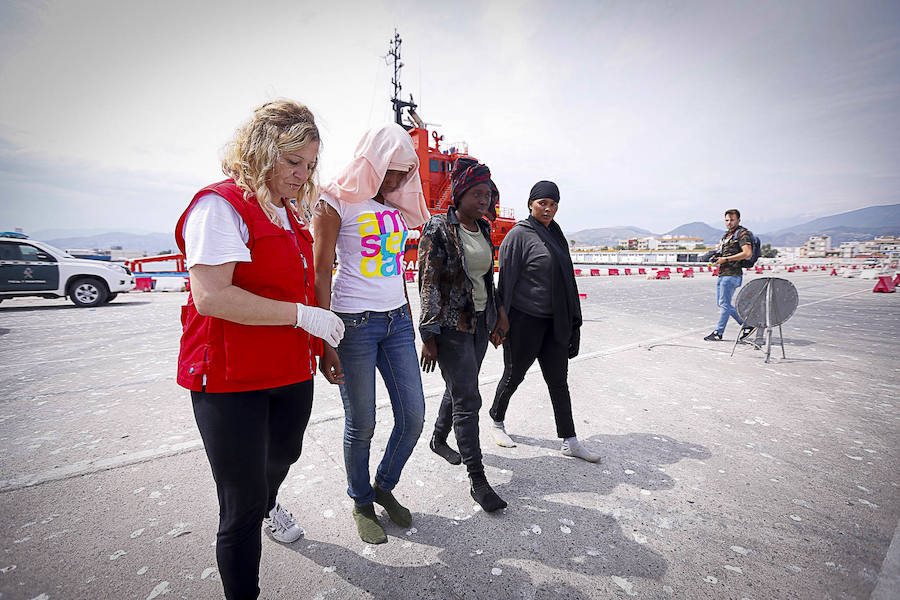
(321, 323)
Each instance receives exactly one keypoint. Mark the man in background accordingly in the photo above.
(734, 247)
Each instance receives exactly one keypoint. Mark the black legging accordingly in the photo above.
(251, 440)
(529, 338)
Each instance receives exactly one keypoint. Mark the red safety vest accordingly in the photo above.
(223, 356)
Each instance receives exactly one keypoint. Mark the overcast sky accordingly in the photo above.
(653, 114)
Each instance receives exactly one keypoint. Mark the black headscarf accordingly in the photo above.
(543, 189)
(566, 304)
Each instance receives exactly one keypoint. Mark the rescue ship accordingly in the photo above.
(435, 164)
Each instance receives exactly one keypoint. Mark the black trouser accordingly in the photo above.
(459, 357)
(251, 440)
(529, 338)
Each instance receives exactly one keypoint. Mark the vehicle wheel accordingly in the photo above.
(86, 293)
(111, 297)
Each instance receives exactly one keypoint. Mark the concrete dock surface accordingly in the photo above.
(722, 477)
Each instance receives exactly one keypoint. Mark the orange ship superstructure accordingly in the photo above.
(435, 164)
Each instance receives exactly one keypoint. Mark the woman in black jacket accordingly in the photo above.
(460, 313)
(537, 288)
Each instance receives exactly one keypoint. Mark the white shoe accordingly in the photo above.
(498, 433)
(572, 447)
(281, 525)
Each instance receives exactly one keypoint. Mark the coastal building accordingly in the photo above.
(666, 242)
(818, 246)
(648, 243)
(602, 256)
(679, 242)
(850, 249)
(887, 246)
(786, 253)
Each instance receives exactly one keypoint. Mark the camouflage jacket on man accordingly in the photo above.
(732, 243)
(446, 293)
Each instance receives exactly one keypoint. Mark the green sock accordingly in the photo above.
(398, 513)
(367, 525)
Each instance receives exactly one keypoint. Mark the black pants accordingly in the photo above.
(251, 440)
(529, 338)
(459, 357)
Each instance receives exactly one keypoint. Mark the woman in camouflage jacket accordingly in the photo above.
(459, 314)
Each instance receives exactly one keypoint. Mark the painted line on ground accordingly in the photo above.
(89, 466)
(833, 298)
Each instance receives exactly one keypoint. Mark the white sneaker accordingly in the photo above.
(498, 433)
(281, 525)
(572, 447)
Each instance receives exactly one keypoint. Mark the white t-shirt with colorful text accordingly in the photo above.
(369, 250)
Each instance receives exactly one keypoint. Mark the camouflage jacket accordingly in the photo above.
(732, 243)
(447, 296)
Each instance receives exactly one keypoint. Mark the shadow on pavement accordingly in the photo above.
(634, 459)
(538, 543)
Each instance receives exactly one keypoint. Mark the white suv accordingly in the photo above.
(31, 268)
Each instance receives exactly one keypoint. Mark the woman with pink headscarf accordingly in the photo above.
(363, 219)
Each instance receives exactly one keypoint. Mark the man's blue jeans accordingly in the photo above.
(386, 341)
(725, 287)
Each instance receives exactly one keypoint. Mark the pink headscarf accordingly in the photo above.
(383, 148)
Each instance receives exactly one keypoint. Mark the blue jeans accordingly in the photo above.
(385, 340)
(725, 287)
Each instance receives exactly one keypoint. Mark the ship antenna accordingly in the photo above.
(399, 105)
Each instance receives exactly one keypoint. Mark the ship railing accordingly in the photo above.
(505, 212)
(137, 265)
(456, 148)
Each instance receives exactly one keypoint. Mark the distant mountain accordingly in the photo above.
(55, 234)
(151, 243)
(862, 224)
(710, 235)
(607, 236)
(887, 215)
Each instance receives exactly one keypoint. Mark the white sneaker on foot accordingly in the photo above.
(281, 525)
(499, 435)
(572, 447)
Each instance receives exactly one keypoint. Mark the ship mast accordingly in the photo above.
(399, 105)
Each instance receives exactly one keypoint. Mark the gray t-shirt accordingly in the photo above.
(478, 262)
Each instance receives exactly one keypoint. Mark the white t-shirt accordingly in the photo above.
(215, 234)
(369, 251)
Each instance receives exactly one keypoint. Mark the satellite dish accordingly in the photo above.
(755, 307)
(766, 303)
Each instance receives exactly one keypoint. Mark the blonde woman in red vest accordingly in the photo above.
(252, 330)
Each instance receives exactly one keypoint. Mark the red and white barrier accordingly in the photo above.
(886, 285)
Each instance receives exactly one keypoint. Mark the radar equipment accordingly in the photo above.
(435, 164)
(766, 303)
(399, 105)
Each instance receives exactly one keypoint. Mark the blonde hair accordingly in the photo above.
(275, 128)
